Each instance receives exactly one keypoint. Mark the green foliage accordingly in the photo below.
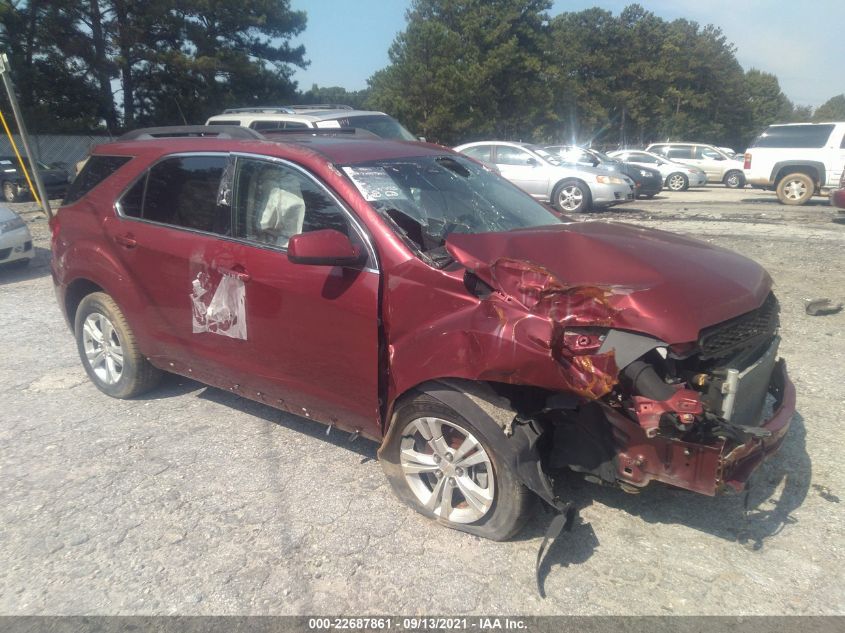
(175, 60)
(831, 110)
(334, 94)
(467, 69)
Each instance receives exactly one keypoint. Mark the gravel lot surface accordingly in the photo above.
(194, 501)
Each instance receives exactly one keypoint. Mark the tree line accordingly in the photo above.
(461, 70)
(465, 70)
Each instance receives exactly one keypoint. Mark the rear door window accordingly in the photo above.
(181, 191)
(278, 125)
(793, 136)
(512, 156)
(480, 152)
(705, 153)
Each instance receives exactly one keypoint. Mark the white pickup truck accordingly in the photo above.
(797, 160)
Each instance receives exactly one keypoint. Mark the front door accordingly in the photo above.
(522, 169)
(310, 338)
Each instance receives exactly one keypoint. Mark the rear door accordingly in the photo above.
(709, 160)
(167, 221)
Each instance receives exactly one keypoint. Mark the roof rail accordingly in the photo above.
(321, 131)
(260, 110)
(320, 106)
(182, 131)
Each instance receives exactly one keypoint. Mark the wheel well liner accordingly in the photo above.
(77, 290)
(814, 169)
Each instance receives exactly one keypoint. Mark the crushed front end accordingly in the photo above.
(700, 416)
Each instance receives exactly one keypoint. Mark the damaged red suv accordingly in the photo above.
(402, 292)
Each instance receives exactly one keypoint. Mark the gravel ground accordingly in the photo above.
(193, 501)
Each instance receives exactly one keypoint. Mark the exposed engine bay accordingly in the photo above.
(695, 416)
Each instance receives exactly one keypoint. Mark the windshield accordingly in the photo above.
(379, 124)
(427, 198)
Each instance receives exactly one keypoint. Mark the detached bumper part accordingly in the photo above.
(705, 468)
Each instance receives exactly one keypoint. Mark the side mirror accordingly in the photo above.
(326, 247)
(532, 162)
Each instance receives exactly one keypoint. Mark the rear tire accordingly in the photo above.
(109, 351)
(456, 478)
(795, 189)
(734, 180)
(677, 182)
(11, 192)
(572, 196)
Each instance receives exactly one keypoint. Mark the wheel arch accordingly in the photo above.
(515, 441)
(588, 192)
(569, 179)
(76, 291)
(813, 169)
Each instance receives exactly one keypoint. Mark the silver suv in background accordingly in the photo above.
(676, 176)
(305, 117)
(797, 160)
(717, 164)
(543, 175)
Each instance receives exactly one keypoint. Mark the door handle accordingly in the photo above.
(126, 240)
(238, 272)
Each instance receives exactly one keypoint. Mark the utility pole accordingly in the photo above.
(5, 72)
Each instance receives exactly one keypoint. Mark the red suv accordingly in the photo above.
(400, 291)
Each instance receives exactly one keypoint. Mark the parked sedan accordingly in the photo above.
(570, 188)
(648, 182)
(15, 239)
(16, 188)
(676, 176)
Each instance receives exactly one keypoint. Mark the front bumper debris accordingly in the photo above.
(708, 468)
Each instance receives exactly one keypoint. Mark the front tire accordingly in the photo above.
(677, 182)
(443, 466)
(795, 189)
(109, 351)
(734, 180)
(572, 196)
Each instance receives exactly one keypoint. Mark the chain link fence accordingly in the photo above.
(55, 148)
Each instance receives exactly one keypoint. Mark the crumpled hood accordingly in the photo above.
(645, 280)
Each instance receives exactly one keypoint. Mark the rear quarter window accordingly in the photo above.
(794, 136)
(95, 171)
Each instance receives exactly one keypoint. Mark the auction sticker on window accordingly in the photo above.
(374, 183)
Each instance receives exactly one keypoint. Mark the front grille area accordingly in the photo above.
(4, 253)
(742, 333)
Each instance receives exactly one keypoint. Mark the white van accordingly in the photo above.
(304, 117)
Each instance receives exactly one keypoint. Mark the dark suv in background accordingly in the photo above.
(403, 292)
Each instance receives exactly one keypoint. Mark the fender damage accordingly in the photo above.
(612, 379)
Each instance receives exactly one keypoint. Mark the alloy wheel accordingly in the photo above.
(676, 182)
(447, 469)
(795, 190)
(103, 348)
(571, 198)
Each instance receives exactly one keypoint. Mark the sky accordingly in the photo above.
(801, 43)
